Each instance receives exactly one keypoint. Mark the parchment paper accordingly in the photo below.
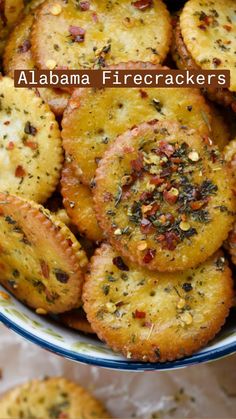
(203, 391)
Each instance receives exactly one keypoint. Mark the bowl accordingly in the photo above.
(50, 335)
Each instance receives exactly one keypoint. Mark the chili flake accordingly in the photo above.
(143, 4)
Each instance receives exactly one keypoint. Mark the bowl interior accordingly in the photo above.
(74, 345)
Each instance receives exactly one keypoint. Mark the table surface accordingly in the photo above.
(201, 391)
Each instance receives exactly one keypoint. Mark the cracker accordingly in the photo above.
(76, 319)
(42, 263)
(31, 152)
(17, 56)
(209, 33)
(160, 199)
(156, 317)
(78, 202)
(94, 118)
(54, 397)
(107, 32)
(184, 61)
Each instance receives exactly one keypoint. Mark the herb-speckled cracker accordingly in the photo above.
(209, 32)
(17, 56)
(160, 198)
(184, 60)
(94, 118)
(86, 34)
(51, 398)
(31, 151)
(151, 316)
(41, 261)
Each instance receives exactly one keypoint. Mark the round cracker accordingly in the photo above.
(54, 397)
(209, 33)
(106, 33)
(78, 202)
(76, 319)
(17, 56)
(184, 60)
(42, 263)
(94, 118)
(31, 152)
(160, 199)
(156, 317)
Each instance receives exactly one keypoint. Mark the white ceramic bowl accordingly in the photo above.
(70, 344)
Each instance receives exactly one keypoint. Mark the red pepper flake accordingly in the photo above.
(10, 145)
(152, 122)
(63, 415)
(149, 256)
(146, 226)
(120, 264)
(143, 94)
(139, 314)
(84, 6)
(156, 180)
(196, 205)
(208, 20)
(176, 160)
(25, 46)
(216, 61)
(95, 17)
(77, 33)
(160, 238)
(202, 27)
(145, 196)
(171, 240)
(155, 208)
(70, 242)
(44, 268)
(165, 148)
(137, 164)
(143, 4)
(20, 172)
(228, 28)
(107, 196)
(31, 144)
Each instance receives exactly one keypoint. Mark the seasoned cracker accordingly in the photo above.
(160, 199)
(78, 202)
(17, 56)
(94, 118)
(31, 151)
(209, 32)
(42, 263)
(93, 34)
(184, 61)
(156, 317)
(49, 398)
(76, 319)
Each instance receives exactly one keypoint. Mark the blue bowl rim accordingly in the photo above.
(197, 358)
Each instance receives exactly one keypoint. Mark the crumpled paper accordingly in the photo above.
(202, 391)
